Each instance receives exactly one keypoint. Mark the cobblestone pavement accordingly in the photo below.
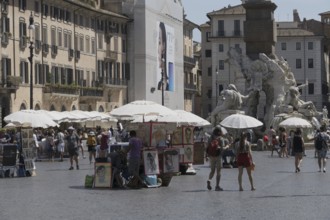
(57, 193)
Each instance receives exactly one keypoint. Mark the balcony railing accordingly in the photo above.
(90, 91)
(221, 34)
(189, 60)
(45, 48)
(54, 50)
(237, 33)
(111, 55)
(189, 86)
(10, 84)
(118, 82)
(62, 89)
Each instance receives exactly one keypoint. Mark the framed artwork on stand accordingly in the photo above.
(171, 161)
(180, 149)
(29, 153)
(151, 163)
(188, 154)
(27, 137)
(199, 153)
(158, 135)
(176, 136)
(103, 175)
(188, 135)
(143, 132)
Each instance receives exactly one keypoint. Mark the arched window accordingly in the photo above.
(52, 108)
(63, 108)
(101, 109)
(37, 107)
(23, 107)
(73, 108)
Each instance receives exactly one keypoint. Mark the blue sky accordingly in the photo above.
(196, 10)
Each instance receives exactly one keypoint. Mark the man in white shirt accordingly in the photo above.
(36, 144)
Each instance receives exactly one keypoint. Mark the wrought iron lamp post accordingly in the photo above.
(216, 87)
(162, 87)
(31, 47)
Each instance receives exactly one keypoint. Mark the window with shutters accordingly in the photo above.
(22, 5)
(24, 72)
(59, 37)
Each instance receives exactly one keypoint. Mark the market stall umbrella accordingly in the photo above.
(295, 122)
(56, 116)
(180, 118)
(239, 121)
(190, 119)
(140, 107)
(30, 118)
(100, 116)
(99, 119)
(10, 126)
(75, 116)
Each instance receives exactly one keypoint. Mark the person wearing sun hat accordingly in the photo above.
(73, 143)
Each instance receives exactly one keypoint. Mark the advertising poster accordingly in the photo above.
(165, 57)
(151, 164)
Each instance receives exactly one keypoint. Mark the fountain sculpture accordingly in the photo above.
(271, 76)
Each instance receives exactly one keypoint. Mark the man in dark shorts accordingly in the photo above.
(73, 143)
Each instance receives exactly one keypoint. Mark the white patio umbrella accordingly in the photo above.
(239, 121)
(188, 118)
(30, 118)
(101, 116)
(140, 107)
(295, 122)
(10, 126)
(99, 119)
(76, 116)
(56, 116)
(180, 117)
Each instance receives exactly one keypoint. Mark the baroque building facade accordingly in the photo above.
(78, 56)
(94, 55)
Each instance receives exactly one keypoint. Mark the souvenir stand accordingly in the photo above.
(160, 157)
(183, 139)
(28, 153)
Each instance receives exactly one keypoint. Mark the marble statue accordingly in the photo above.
(230, 99)
(268, 75)
(292, 98)
(325, 112)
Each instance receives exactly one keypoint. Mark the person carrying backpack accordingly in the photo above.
(321, 147)
(91, 144)
(213, 154)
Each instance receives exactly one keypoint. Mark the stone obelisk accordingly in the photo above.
(259, 28)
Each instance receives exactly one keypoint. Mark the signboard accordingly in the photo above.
(9, 154)
(199, 152)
